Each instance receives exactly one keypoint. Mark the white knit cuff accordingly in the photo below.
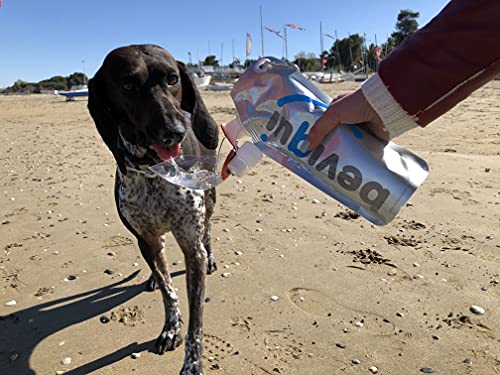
(396, 120)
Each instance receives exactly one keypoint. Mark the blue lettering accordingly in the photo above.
(300, 136)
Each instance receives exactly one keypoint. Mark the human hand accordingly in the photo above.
(352, 108)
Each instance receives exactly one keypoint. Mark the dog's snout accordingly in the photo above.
(173, 137)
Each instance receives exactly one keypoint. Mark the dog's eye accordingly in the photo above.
(128, 86)
(172, 79)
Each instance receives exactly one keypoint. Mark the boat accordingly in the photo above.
(201, 81)
(221, 87)
(73, 92)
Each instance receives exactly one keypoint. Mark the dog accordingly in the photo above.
(147, 109)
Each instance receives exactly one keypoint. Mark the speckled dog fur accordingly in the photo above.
(151, 207)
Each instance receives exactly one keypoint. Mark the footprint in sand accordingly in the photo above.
(117, 241)
(316, 303)
(283, 346)
(216, 348)
(463, 196)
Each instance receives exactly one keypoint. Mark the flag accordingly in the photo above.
(377, 54)
(278, 34)
(249, 44)
(292, 26)
(0, 3)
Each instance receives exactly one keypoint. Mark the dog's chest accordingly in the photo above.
(155, 204)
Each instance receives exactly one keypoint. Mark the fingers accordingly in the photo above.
(322, 127)
(351, 108)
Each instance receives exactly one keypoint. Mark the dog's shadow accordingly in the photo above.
(23, 330)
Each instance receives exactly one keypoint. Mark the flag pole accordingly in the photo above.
(283, 47)
(286, 45)
(337, 47)
(221, 55)
(350, 49)
(320, 38)
(261, 32)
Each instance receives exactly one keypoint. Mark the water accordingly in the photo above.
(191, 171)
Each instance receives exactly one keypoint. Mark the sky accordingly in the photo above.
(40, 39)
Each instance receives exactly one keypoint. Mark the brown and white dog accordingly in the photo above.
(138, 100)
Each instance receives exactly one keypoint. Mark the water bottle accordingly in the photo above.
(276, 107)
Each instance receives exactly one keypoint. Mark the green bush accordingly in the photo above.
(53, 83)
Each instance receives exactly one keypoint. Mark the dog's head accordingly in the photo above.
(139, 97)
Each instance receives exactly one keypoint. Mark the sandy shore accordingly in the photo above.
(395, 297)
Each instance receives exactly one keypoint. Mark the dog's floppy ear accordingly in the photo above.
(99, 108)
(204, 126)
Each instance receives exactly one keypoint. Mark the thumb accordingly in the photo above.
(322, 127)
(349, 109)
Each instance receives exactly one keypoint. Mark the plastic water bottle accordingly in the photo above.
(277, 106)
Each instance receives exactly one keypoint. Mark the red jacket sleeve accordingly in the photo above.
(445, 61)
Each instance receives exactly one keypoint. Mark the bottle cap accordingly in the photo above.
(247, 157)
(233, 130)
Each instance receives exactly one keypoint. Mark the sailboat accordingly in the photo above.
(73, 92)
(201, 80)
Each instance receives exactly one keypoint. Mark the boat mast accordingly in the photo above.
(261, 32)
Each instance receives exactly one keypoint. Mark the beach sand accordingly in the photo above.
(395, 297)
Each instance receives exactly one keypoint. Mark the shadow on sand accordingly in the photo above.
(23, 330)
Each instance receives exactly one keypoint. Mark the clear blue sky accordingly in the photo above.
(40, 39)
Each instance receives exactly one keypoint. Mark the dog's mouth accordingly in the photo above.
(166, 153)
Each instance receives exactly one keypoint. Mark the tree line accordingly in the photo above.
(51, 84)
(347, 54)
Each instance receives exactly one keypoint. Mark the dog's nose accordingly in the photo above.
(168, 142)
(172, 138)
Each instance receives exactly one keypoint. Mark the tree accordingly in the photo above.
(407, 24)
(235, 64)
(371, 58)
(77, 79)
(307, 62)
(387, 47)
(211, 60)
(350, 53)
(248, 62)
(54, 83)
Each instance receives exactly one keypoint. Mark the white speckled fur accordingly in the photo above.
(142, 99)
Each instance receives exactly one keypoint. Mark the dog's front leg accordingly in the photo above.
(207, 236)
(196, 272)
(153, 252)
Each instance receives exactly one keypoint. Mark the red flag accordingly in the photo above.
(292, 26)
(377, 54)
(274, 32)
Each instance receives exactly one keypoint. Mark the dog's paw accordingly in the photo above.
(151, 284)
(211, 266)
(192, 369)
(168, 340)
(193, 359)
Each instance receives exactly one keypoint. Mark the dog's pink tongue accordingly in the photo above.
(166, 153)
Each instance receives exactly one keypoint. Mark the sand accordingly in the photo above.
(395, 297)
